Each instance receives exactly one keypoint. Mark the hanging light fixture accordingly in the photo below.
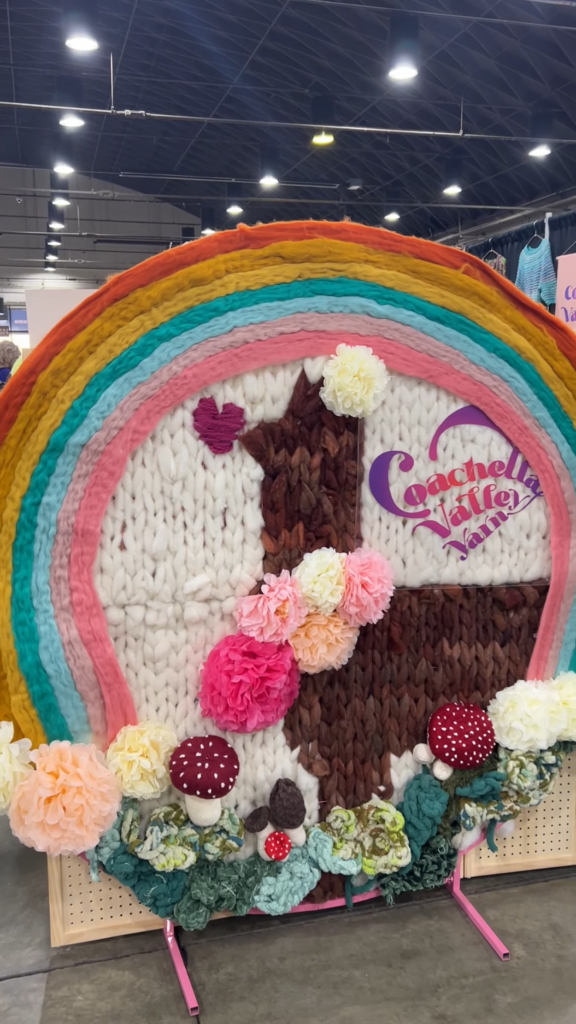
(269, 165)
(208, 221)
(54, 241)
(80, 25)
(55, 218)
(49, 255)
(69, 93)
(354, 184)
(403, 46)
(453, 176)
(392, 217)
(63, 167)
(233, 196)
(49, 267)
(60, 200)
(540, 131)
(322, 112)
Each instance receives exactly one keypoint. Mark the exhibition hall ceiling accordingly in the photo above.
(249, 71)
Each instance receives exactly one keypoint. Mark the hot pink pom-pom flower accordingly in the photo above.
(368, 587)
(248, 685)
(68, 803)
(273, 615)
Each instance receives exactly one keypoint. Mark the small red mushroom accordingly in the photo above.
(204, 769)
(460, 736)
(277, 846)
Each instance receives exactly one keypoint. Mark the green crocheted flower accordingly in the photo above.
(214, 886)
(321, 850)
(171, 842)
(226, 836)
(373, 834)
(297, 876)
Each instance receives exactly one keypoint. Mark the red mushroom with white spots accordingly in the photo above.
(459, 736)
(204, 769)
(277, 846)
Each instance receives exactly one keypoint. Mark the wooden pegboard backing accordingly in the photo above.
(544, 837)
(82, 910)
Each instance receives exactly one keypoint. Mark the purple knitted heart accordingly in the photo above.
(218, 430)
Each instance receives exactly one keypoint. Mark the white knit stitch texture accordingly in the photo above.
(181, 541)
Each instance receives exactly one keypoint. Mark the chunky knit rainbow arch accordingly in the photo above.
(151, 337)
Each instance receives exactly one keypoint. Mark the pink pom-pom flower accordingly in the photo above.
(68, 803)
(368, 587)
(248, 685)
(273, 615)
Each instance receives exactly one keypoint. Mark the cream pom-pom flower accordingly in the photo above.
(354, 381)
(139, 758)
(564, 686)
(322, 579)
(14, 763)
(527, 716)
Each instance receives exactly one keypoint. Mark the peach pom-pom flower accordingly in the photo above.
(68, 803)
(323, 642)
(368, 587)
(248, 685)
(273, 615)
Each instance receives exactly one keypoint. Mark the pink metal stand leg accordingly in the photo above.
(180, 968)
(453, 885)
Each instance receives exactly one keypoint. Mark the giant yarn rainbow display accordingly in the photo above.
(228, 304)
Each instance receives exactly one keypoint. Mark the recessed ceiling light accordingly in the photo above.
(61, 167)
(403, 72)
(268, 180)
(61, 201)
(71, 120)
(83, 42)
(540, 151)
(392, 216)
(452, 190)
(322, 138)
(234, 209)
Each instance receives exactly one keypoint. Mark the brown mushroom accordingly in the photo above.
(288, 810)
(204, 769)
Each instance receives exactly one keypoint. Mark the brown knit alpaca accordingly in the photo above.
(435, 644)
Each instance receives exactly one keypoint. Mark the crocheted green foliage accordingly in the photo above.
(278, 893)
(171, 842)
(226, 836)
(373, 832)
(320, 848)
(157, 890)
(484, 788)
(435, 864)
(423, 807)
(214, 886)
(522, 780)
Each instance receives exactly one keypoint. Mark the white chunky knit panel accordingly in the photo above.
(181, 541)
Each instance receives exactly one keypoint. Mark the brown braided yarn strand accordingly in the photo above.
(312, 461)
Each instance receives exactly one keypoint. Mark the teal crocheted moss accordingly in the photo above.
(423, 807)
(484, 788)
(157, 890)
(213, 886)
(297, 876)
(435, 864)
(320, 848)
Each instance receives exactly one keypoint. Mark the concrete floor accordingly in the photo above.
(421, 963)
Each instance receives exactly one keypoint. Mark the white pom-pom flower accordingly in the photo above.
(354, 381)
(14, 763)
(321, 578)
(527, 716)
(564, 686)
